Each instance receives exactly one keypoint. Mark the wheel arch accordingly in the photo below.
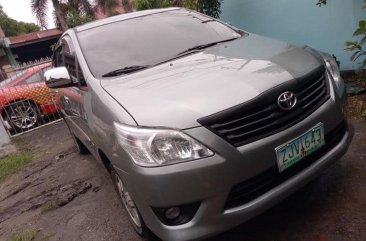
(105, 160)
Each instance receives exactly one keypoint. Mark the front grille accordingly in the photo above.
(251, 189)
(261, 117)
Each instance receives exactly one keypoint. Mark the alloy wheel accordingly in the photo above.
(128, 203)
(23, 116)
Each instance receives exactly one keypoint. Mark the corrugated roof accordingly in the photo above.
(34, 37)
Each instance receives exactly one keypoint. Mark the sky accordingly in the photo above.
(20, 10)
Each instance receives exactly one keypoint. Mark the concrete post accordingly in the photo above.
(5, 144)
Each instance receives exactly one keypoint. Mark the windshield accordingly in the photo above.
(13, 78)
(148, 40)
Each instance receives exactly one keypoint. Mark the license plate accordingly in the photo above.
(300, 147)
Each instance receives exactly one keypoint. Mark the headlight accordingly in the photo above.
(150, 147)
(333, 69)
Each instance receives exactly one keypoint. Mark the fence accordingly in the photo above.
(26, 103)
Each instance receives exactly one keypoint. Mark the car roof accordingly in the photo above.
(123, 17)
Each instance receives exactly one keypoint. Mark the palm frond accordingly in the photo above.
(39, 9)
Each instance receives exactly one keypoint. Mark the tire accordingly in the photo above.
(133, 213)
(82, 149)
(23, 115)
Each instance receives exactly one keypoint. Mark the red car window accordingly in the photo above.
(13, 78)
(36, 77)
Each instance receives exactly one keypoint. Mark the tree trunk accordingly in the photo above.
(59, 15)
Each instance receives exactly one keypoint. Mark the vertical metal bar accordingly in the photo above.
(5, 127)
(23, 96)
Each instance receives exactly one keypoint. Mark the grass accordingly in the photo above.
(30, 235)
(23, 236)
(52, 205)
(14, 162)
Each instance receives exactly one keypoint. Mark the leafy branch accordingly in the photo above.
(321, 2)
(209, 7)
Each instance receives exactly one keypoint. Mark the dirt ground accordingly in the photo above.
(58, 176)
(61, 195)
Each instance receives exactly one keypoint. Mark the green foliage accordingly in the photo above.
(23, 236)
(14, 162)
(209, 7)
(71, 13)
(356, 46)
(321, 2)
(149, 4)
(75, 13)
(76, 18)
(12, 27)
(49, 206)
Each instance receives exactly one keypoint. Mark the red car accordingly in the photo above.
(24, 98)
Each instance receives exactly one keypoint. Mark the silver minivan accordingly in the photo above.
(201, 125)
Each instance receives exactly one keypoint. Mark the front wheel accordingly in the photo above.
(23, 115)
(134, 215)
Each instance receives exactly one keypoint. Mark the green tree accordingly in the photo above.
(209, 7)
(76, 13)
(12, 27)
(39, 9)
(75, 18)
(149, 4)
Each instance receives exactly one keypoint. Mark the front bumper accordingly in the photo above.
(210, 180)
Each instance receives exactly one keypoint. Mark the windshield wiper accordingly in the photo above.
(202, 46)
(196, 48)
(125, 70)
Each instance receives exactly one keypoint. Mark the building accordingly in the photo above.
(35, 45)
(24, 48)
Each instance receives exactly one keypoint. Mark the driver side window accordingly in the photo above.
(65, 56)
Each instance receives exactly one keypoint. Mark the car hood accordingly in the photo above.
(177, 93)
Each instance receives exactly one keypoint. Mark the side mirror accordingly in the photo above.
(58, 78)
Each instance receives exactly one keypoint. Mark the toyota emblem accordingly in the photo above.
(287, 100)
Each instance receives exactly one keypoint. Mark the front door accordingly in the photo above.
(72, 98)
